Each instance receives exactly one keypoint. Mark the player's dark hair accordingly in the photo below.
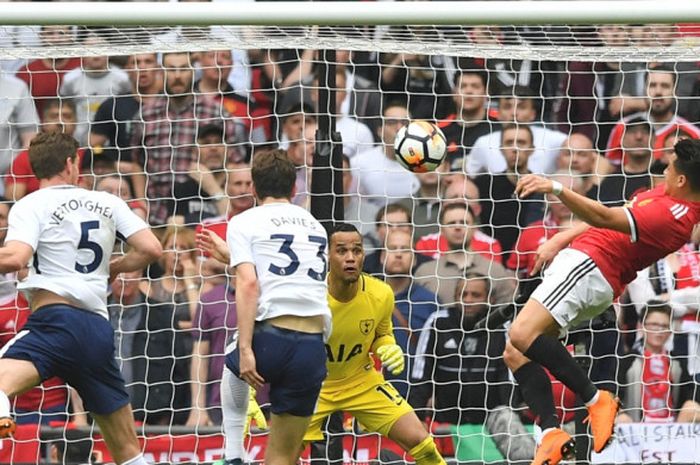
(655, 306)
(518, 127)
(273, 174)
(454, 205)
(392, 208)
(48, 153)
(687, 161)
(342, 228)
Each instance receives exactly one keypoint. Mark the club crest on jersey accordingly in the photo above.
(366, 326)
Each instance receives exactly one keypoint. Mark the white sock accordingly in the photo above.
(594, 399)
(138, 460)
(4, 405)
(234, 407)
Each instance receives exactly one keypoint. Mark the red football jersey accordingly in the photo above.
(433, 244)
(660, 225)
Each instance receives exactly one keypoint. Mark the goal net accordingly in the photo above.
(169, 117)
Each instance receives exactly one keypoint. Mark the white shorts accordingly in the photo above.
(573, 289)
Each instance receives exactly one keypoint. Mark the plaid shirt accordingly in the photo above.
(165, 144)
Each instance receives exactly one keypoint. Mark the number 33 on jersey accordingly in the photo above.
(289, 249)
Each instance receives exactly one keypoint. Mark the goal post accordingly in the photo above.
(288, 13)
(575, 73)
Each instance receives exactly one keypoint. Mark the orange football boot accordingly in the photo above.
(601, 416)
(556, 446)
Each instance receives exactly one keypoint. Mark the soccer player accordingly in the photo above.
(279, 251)
(67, 234)
(362, 308)
(582, 281)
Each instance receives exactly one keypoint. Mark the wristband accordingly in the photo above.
(192, 287)
(557, 188)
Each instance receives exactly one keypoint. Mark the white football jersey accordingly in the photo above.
(289, 249)
(72, 232)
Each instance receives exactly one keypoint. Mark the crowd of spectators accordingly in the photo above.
(173, 134)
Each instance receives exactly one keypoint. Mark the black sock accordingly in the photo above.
(551, 354)
(537, 392)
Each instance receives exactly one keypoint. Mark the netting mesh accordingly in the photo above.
(596, 108)
(657, 42)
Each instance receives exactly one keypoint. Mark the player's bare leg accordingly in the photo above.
(285, 439)
(16, 376)
(409, 433)
(534, 334)
(117, 429)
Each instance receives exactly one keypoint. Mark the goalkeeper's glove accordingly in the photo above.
(392, 358)
(254, 413)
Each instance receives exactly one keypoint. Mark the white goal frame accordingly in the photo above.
(348, 13)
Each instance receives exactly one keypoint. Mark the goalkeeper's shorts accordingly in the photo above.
(573, 289)
(374, 403)
(292, 362)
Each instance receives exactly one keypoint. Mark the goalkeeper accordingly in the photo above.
(362, 307)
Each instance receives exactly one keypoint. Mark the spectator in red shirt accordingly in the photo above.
(662, 114)
(459, 190)
(57, 116)
(45, 76)
(441, 276)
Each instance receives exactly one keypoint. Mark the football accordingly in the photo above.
(420, 146)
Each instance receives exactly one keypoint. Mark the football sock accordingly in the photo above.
(537, 392)
(234, 408)
(426, 453)
(4, 405)
(138, 460)
(594, 399)
(551, 354)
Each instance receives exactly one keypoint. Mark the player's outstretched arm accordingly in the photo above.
(547, 251)
(145, 249)
(14, 256)
(588, 210)
(216, 247)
